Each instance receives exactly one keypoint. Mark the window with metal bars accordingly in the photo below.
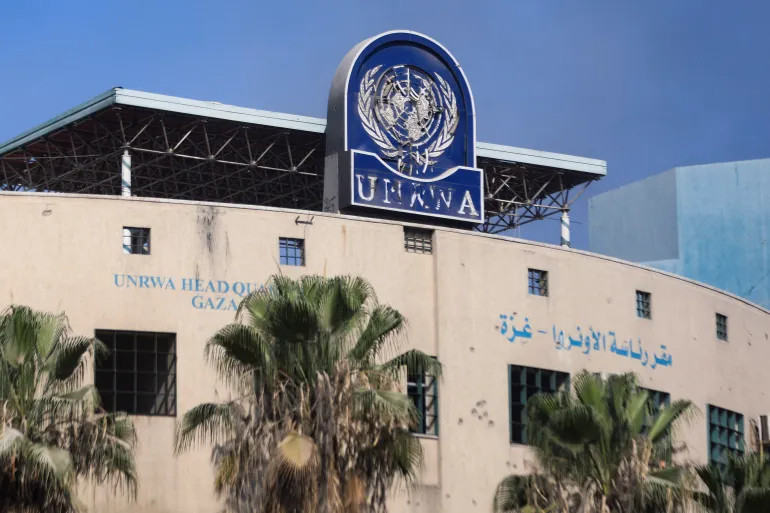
(725, 434)
(524, 383)
(422, 389)
(418, 240)
(643, 304)
(538, 282)
(291, 251)
(139, 375)
(721, 327)
(136, 241)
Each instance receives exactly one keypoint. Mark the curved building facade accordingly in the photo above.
(155, 278)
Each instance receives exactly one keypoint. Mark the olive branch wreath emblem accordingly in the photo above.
(366, 99)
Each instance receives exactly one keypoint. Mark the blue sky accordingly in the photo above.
(644, 85)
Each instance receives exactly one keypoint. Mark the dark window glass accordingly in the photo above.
(525, 383)
(139, 375)
(537, 281)
(721, 327)
(136, 241)
(643, 305)
(291, 251)
(418, 240)
(725, 434)
(422, 389)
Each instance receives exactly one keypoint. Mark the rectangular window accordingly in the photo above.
(139, 375)
(725, 434)
(136, 241)
(538, 282)
(526, 382)
(422, 389)
(291, 251)
(643, 308)
(655, 401)
(418, 240)
(721, 327)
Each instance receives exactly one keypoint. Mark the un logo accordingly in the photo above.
(409, 114)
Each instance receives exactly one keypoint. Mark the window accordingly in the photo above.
(721, 327)
(655, 401)
(291, 251)
(139, 375)
(422, 389)
(643, 309)
(418, 240)
(136, 241)
(725, 434)
(526, 382)
(538, 282)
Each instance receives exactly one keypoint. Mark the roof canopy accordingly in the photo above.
(207, 151)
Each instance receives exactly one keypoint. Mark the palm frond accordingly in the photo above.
(206, 423)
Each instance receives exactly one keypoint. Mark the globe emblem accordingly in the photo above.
(409, 115)
(408, 106)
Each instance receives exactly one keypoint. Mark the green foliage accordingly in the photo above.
(743, 486)
(318, 422)
(51, 432)
(594, 454)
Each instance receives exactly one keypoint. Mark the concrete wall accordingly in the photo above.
(710, 223)
(724, 226)
(62, 254)
(636, 222)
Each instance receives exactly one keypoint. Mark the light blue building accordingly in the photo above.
(710, 223)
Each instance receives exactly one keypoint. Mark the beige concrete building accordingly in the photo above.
(469, 298)
(147, 218)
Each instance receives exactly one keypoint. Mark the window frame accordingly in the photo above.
(643, 304)
(137, 241)
(560, 379)
(421, 386)
(291, 250)
(418, 240)
(721, 327)
(163, 389)
(538, 282)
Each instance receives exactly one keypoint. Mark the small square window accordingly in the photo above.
(422, 389)
(538, 282)
(643, 305)
(291, 251)
(418, 240)
(139, 375)
(721, 327)
(136, 241)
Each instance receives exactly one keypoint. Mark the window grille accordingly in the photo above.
(538, 282)
(422, 389)
(418, 240)
(291, 251)
(526, 382)
(725, 434)
(643, 305)
(721, 327)
(136, 241)
(139, 375)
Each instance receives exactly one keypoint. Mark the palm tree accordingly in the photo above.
(51, 432)
(317, 421)
(597, 451)
(742, 486)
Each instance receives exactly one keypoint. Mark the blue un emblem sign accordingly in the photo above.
(401, 132)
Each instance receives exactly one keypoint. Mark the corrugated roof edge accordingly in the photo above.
(217, 110)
